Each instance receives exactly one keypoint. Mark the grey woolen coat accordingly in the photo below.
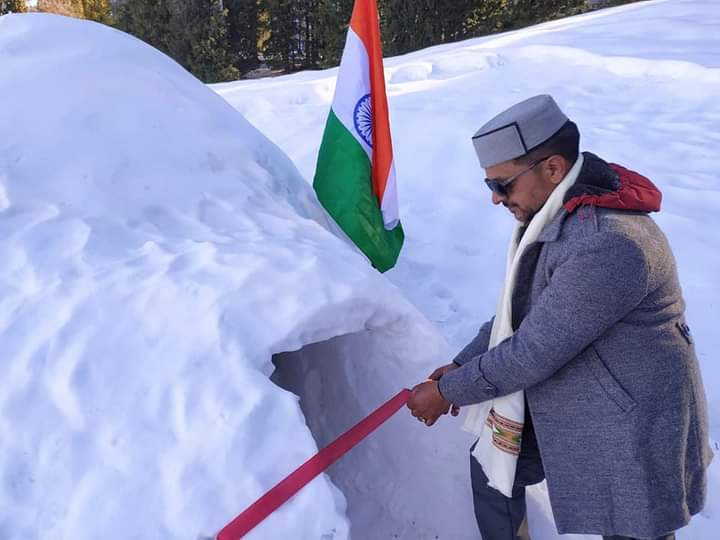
(606, 359)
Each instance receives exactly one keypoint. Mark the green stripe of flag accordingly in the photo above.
(343, 186)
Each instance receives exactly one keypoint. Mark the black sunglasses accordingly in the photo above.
(502, 186)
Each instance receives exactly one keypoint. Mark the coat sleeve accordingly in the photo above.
(477, 346)
(597, 285)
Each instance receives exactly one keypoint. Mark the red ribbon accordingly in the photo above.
(298, 479)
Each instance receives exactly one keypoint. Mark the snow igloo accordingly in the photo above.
(180, 329)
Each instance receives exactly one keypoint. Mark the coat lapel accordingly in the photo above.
(552, 232)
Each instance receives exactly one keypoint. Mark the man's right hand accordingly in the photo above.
(438, 373)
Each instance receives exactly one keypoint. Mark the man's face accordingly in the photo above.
(529, 191)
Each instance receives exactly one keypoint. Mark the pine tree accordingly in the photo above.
(406, 25)
(198, 39)
(280, 47)
(450, 19)
(243, 19)
(497, 15)
(70, 8)
(294, 28)
(333, 21)
(310, 33)
(193, 32)
(148, 20)
(97, 10)
(282, 30)
(12, 6)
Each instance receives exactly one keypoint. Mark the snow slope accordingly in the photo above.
(155, 251)
(642, 81)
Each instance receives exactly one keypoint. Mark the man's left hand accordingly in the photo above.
(426, 402)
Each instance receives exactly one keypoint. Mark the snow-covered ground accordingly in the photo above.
(157, 250)
(642, 81)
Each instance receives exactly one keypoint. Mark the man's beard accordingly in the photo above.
(526, 221)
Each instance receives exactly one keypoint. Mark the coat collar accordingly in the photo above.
(608, 185)
(605, 185)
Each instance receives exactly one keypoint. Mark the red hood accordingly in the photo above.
(609, 185)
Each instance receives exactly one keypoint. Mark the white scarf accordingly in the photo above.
(498, 423)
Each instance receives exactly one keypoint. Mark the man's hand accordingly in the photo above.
(438, 373)
(426, 403)
(442, 370)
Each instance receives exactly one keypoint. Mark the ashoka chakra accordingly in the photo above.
(362, 118)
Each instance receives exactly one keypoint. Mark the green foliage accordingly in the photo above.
(333, 22)
(70, 8)
(291, 32)
(498, 15)
(148, 20)
(449, 19)
(219, 39)
(407, 25)
(198, 39)
(193, 32)
(243, 24)
(281, 29)
(97, 10)
(12, 6)
(294, 30)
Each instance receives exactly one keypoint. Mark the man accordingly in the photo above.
(591, 327)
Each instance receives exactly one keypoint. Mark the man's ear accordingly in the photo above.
(558, 168)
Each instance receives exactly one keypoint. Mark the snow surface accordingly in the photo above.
(641, 80)
(156, 251)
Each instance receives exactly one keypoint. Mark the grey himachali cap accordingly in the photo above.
(517, 130)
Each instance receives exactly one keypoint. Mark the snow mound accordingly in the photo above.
(156, 251)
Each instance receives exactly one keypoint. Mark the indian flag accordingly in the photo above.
(355, 175)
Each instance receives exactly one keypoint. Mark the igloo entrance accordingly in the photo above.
(386, 479)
